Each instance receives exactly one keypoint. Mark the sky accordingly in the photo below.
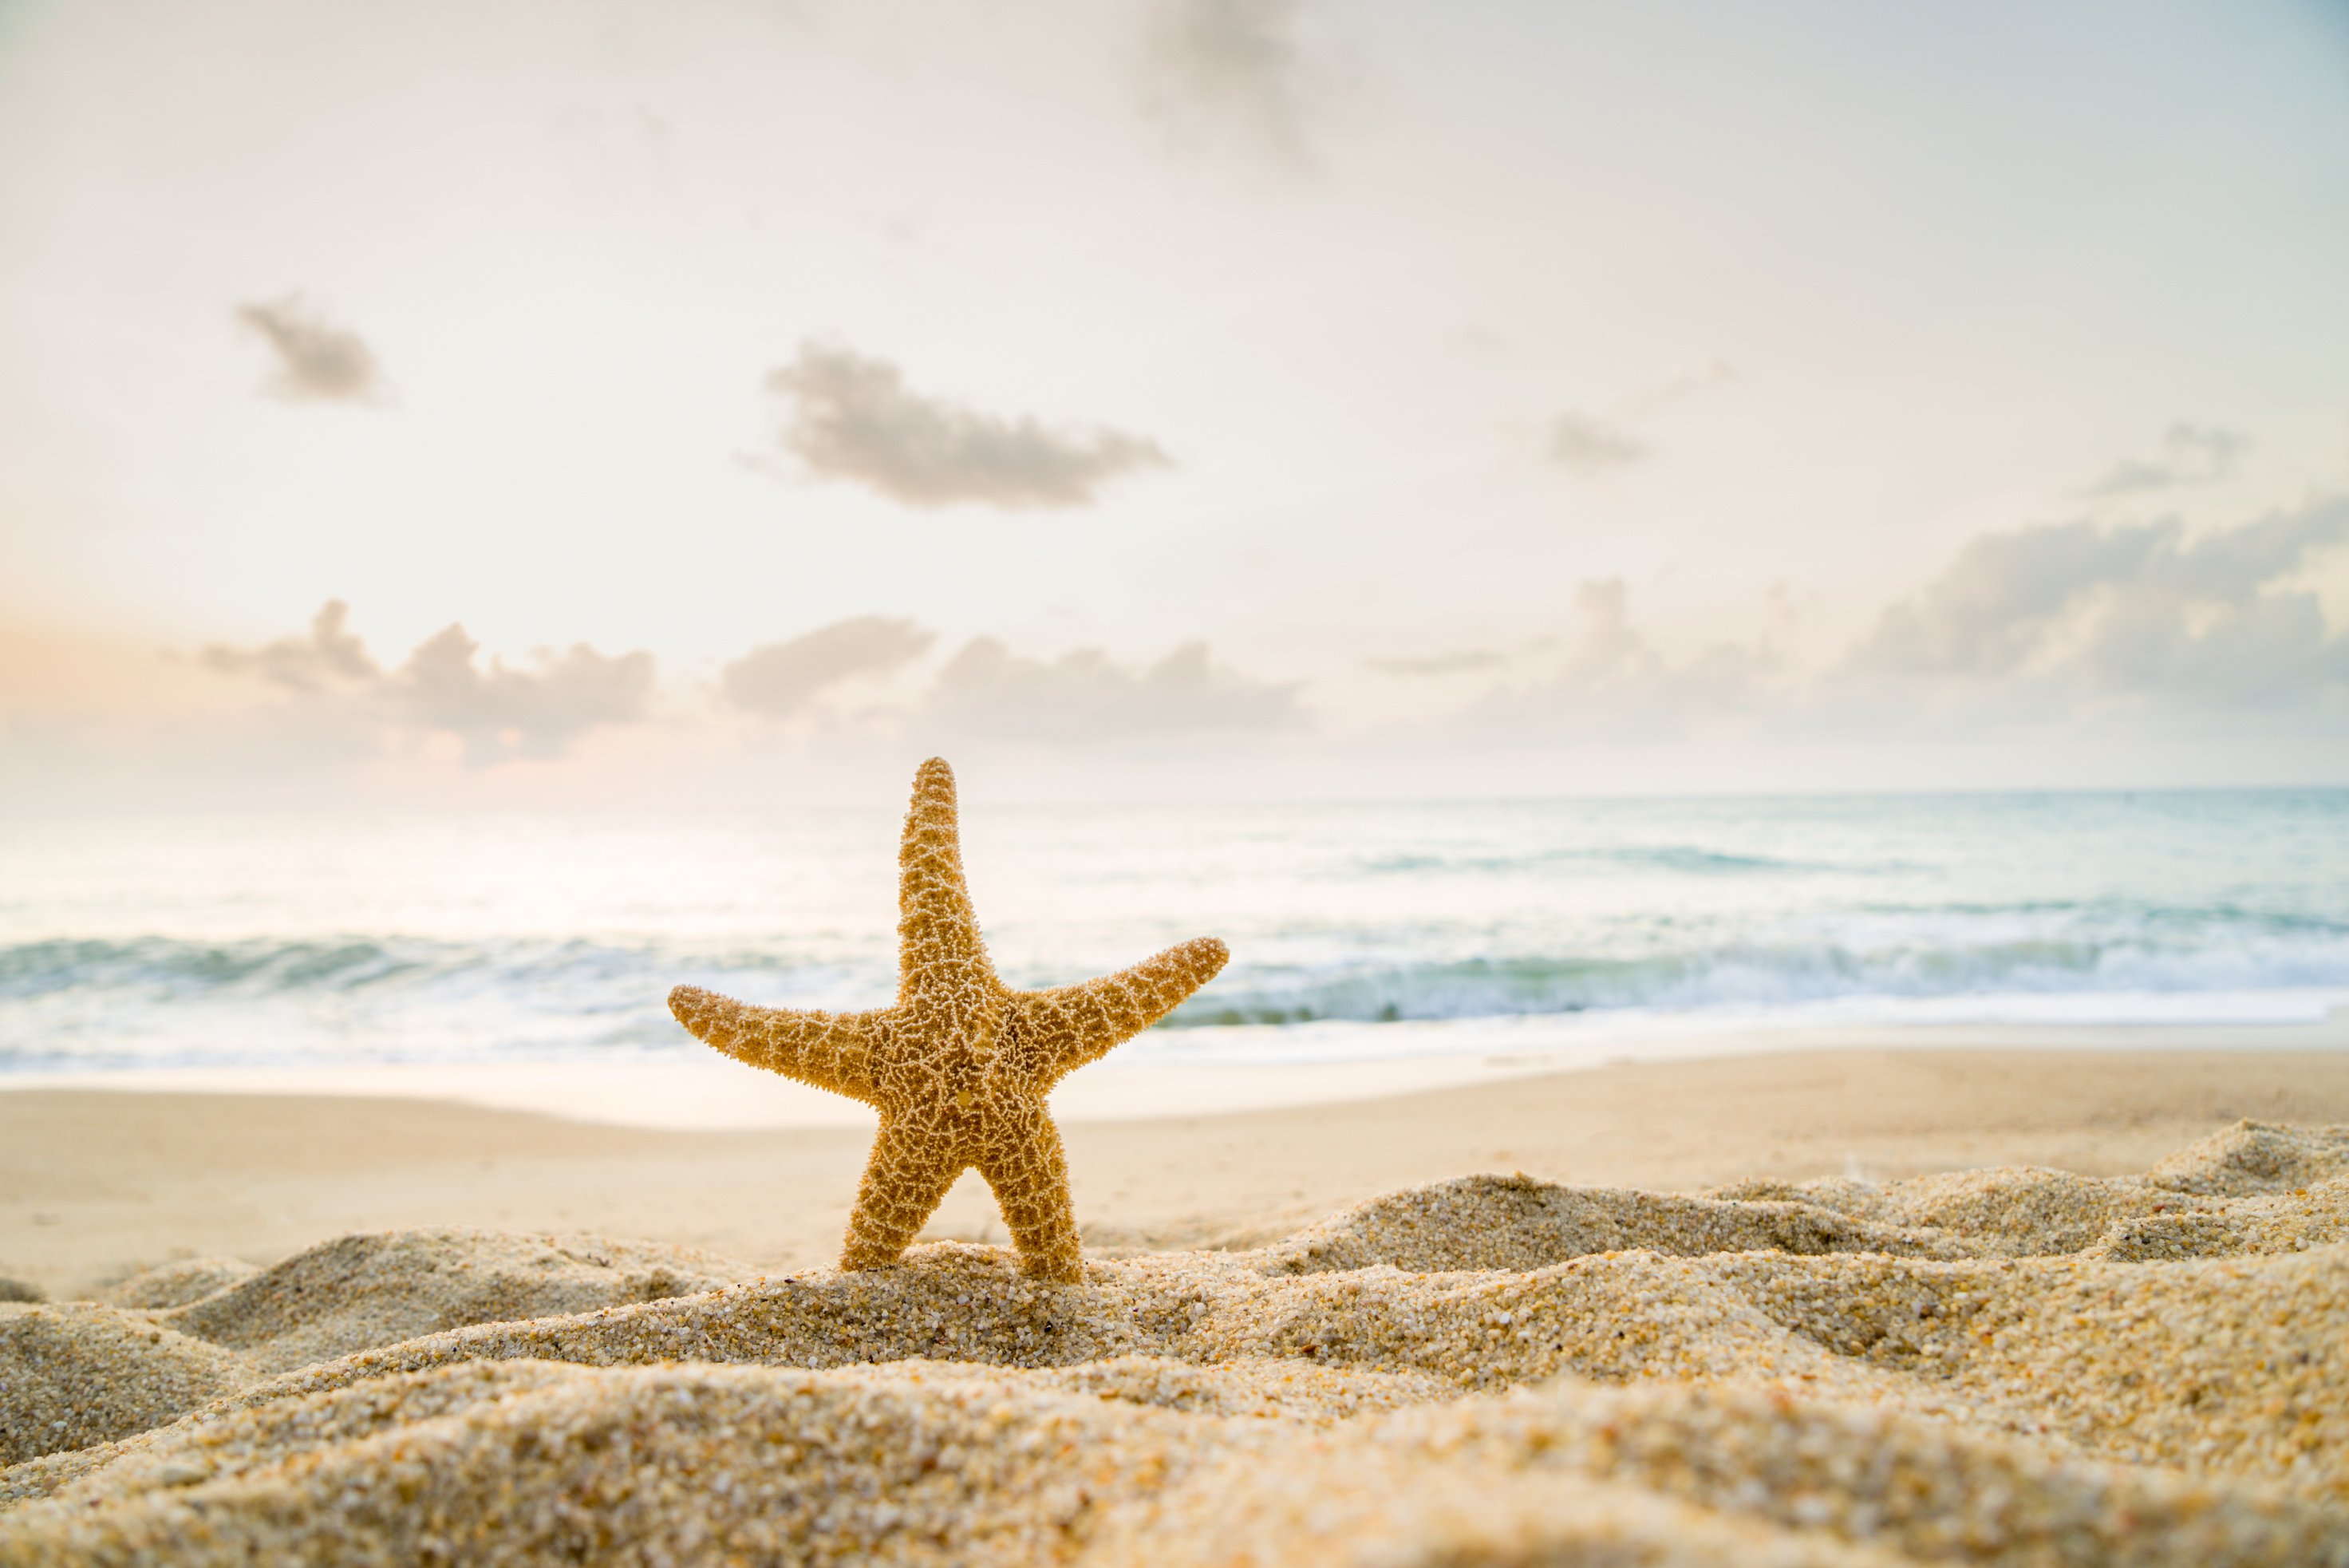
(727, 401)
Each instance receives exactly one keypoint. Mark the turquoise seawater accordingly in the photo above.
(304, 939)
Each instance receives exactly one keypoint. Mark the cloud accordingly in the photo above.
(1461, 661)
(1614, 682)
(1687, 383)
(328, 656)
(2081, 629)
(1607, 651)
(1085, 696)
(1992, 607)
(853, 417)
(2236, 562)
(2189, 454)
(778, 680)
(532, 711)
(496, 710)
(1588, 447)
(1594, 445)
(1612, 665)
(1230, 73)
(316, 360)
(2138, 610)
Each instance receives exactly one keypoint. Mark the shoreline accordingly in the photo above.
(699, 1091)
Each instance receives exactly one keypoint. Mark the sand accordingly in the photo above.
(95, 1185)
(1798, 1356)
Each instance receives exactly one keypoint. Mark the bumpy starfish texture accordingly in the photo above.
(961, 1065)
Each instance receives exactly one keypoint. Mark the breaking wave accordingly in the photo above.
(155, 1000)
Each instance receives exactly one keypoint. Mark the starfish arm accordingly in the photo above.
(939, 945)
(1070, 1025)
(904, 1181)
(1029, 1173)
(829, 1050)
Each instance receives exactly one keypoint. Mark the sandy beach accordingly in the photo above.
(1942, 1303)
(1186, 782)
(95, 1183)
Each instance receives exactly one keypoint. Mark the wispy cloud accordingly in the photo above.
(780, 680)
(1688, 381)
(1596, 445)
(2189, 454)
(1589, 447)
(1230, 74)
(853, 417)
(1460, 662)
(316, 360)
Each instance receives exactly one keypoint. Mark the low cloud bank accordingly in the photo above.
(1613, 681)
(534, 712)
(2140, 610)
(2047, 630)
(1084, 695)
(2056, 623)
(496, 709)
(539, 707)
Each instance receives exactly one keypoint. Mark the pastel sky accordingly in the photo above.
(715, 399)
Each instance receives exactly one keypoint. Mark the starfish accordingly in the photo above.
(960, 1066)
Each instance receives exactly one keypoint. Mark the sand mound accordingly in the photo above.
(2253, 1188)
(362, 1290)
(1517, 1223)
(176, 1283)
(922, 1463)
(76, 1372)
(2256, 1157)
(2006, 1367)
(1673, 1474)
(80, 1373)
(20, 1291)
(2183, 1208)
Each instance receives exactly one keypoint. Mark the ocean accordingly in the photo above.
(1357, 930)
